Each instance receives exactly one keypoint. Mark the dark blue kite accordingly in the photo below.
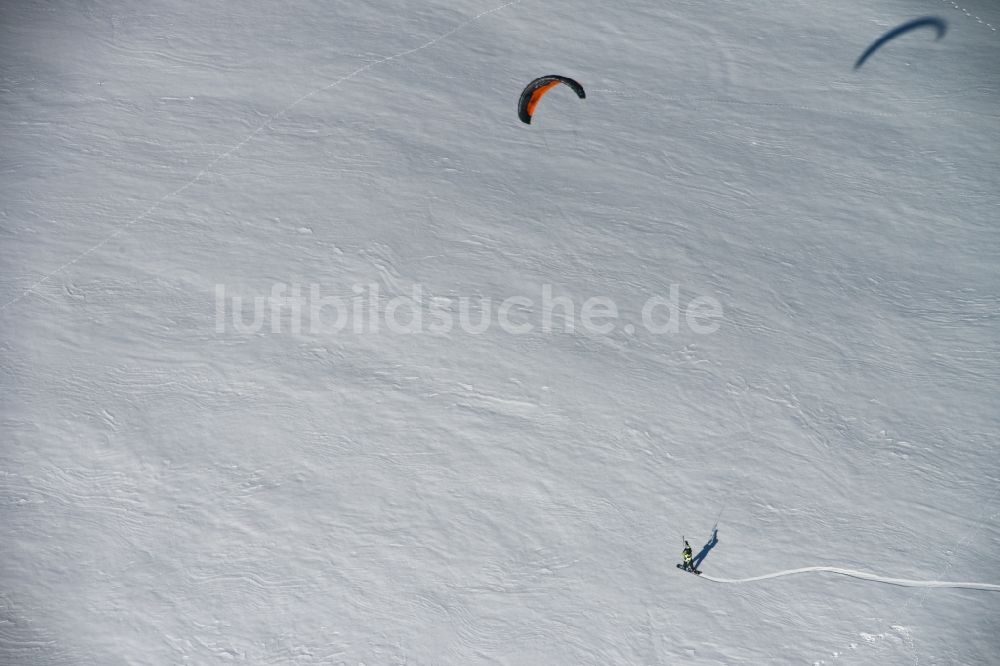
(938, 24)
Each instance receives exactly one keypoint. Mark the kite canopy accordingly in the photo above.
(534, 91)
(938, 24)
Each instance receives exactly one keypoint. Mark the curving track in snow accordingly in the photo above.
(987, 587)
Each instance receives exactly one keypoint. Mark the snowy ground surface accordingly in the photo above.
(175, 493)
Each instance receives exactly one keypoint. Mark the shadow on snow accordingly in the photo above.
(700, 557)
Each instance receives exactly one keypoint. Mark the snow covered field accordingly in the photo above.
(182, 484)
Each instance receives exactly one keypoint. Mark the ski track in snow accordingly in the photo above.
(902, 582)
(267, 123)
(919, 596)
(970, 14)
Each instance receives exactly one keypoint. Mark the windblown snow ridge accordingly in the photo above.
(864, 576)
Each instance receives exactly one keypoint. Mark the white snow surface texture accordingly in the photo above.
(173, 491)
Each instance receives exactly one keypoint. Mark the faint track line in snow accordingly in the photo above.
(797, 107)
(902, 582)
(843, 112)
(270, 119)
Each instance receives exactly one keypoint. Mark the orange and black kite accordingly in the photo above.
(534, 91)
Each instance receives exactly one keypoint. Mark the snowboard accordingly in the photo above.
(696, 572)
